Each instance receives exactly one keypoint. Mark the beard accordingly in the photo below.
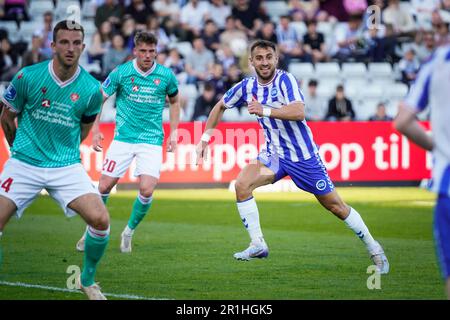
(265, 78)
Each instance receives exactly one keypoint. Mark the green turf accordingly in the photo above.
(183, 249)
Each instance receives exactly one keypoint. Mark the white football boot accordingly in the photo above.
(255, 250)
(125, 243)
(93, 292)
(81, 242)
(379, 259)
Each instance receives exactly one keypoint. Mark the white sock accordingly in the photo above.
(248, 211)
(127, 231)
(356, 223)
(99, 234)
(144, 200)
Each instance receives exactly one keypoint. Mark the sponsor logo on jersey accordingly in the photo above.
(45, 103)
(157, 81)
(106, 83)
(321, 185)
(274, 92)
(20, 76)
(135, 88)
(11, 92)
(74, 97)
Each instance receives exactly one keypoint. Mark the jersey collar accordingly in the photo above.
(142, 73)
(60, 83)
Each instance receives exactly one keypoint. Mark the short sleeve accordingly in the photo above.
(290, 88)
(172, 87)
(417, 98)
(94, 104)
(15, 96)
(110, 85)
(234, 96)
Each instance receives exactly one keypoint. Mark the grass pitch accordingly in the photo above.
(184, 247)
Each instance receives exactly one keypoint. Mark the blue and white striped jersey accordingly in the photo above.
(432, 88)
(291, 140)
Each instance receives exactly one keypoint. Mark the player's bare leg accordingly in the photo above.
(251, 177)
(141, 207)
(333, 202)
(94, 213)
(105, 186)
(7, 209)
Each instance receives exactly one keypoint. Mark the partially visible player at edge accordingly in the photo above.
(275, 98)
(431, 88)
(55, 103)
(142, 86)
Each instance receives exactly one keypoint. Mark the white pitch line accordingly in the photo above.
(38, 286)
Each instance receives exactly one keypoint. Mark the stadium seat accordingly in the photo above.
(380, 70)
(327, 87)
(355, 70)
(372, 92)
(38, 7)
(327, 70)
(231, 115)
(365, 108)
(28, 28)
(183, 47)
(302, 70)
(88, 9)
(352, 87)
(245, 116)
(277, 8)
(397, 90)
(65, 9)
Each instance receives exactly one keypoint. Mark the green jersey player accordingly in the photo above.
(55, 104)
(141, 88)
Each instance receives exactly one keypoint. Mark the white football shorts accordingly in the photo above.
(22, 183)
(120, 155)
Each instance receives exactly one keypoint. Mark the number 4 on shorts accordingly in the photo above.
(6, 184)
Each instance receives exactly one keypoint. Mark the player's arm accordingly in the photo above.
(213, 120)
(294, 111)
(8, 121)
(87, 123)
(174, 116)
(406, 123)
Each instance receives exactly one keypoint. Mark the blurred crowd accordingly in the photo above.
(205, 42)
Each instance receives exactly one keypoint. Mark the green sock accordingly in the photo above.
(93, 252)
(139, 212)
(105, 197)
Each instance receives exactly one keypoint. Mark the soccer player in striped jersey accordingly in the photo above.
(55, 104)
(274, 97)
(431, 88)
(142, 86)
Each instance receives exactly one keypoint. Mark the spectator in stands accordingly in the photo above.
(339, 107)
(306, 10)
(139, 11)
(232, 34)
(210, 35)
(167, 9)
(109, 11)
(176, 64)
(314, 43)
(389, 45)
(193, 16)
(218, 11)
(226, 57)
(128, 31)
(160, 33)
(445, 5)
(401, 20)
(409, 67)
(218, 80)
(289, 42)
(233, 76)
(424, 45)
(355, 6)
(204, 103)
(350, 40)
(380, 114)
(8, 67)
(14, 10)
(47, 34)
(441, 28)
(116, 55)
(101, 42)
(249, 16)
(422, 9)
(34, 54)
(267, 32)
(199, 62)
(316, 107)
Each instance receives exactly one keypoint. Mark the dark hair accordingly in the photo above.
(145, 37)
(340, 87)
(70, 25)
(209, 86)
(312, 82)
(311, 22)
(262, 44)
